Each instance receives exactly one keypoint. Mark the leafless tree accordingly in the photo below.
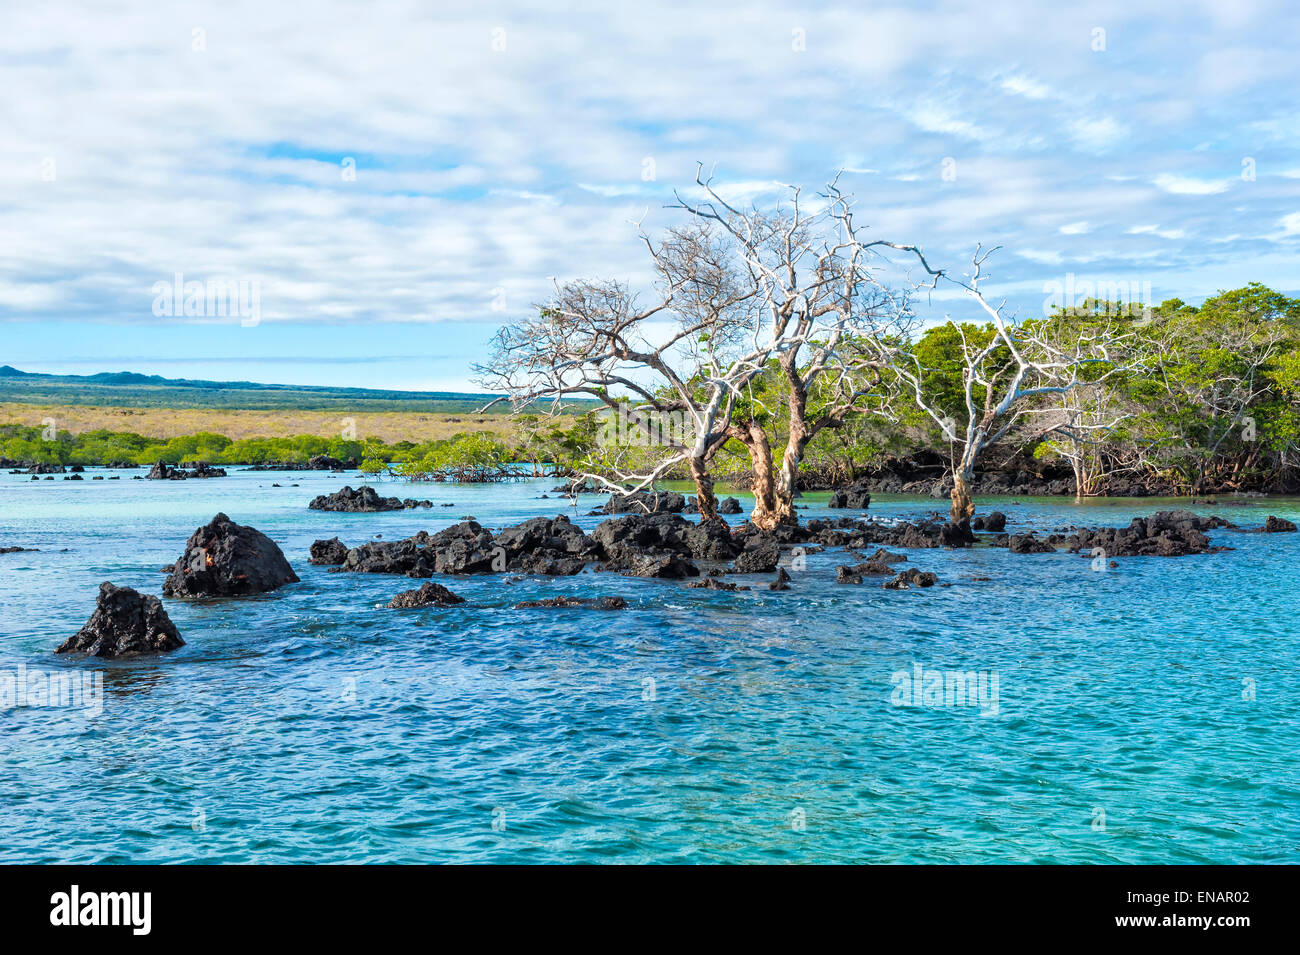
(825, 296)
(1006, 375)
(669, 371)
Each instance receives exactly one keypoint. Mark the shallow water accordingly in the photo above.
(697, 726)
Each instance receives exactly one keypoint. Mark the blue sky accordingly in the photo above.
(496, 148)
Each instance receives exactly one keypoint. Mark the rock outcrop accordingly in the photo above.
(911, 578)
(1163, 534)
(1029, 544)
(553, 546)
(200, 469)
(464, 548)
(728, 505)
(995, 522)
(855, 497)
(645, 502)
(364, 500)
(225, 559)
(760, 556)
(329, 553)
(125, 622)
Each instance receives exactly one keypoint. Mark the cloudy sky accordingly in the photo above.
(395, 180)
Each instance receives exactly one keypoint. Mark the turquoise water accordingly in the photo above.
(697, 726)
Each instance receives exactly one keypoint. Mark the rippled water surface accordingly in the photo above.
(696, 726)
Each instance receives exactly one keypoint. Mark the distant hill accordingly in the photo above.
(129, 389)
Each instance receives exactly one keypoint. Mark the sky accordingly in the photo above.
(387, 183)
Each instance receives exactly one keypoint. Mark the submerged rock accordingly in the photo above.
(911, 578)
(125, 622)
(1028, 544)
(225, 559)
(854, 574)
(593, 603)
(713, 583)
(426, 595)
(1278, 525)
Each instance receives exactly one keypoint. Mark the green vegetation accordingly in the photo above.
(472, 450)
(1209, 398)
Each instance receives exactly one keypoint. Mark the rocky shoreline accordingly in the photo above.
(927, 473)
(643, 535)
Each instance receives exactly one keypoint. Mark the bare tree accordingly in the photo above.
(669, 371)
(823, 291)
(1083, 418)
(1004, 376)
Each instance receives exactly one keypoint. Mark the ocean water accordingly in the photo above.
(1148, 713)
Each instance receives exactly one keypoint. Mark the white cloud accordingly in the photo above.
(479, 170)
(1186, 186)
(1097, 133)
(935, 120)
(1156, 230)
(609, 192)
(1041, 256)
(1026, 87)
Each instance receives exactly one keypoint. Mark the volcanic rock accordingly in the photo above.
(225, 559)
(124, 622)
(364, 500)
(856, 497)
(642, 502)
(911, 578)
(329, 553)
(593, 603)
(426, 595)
